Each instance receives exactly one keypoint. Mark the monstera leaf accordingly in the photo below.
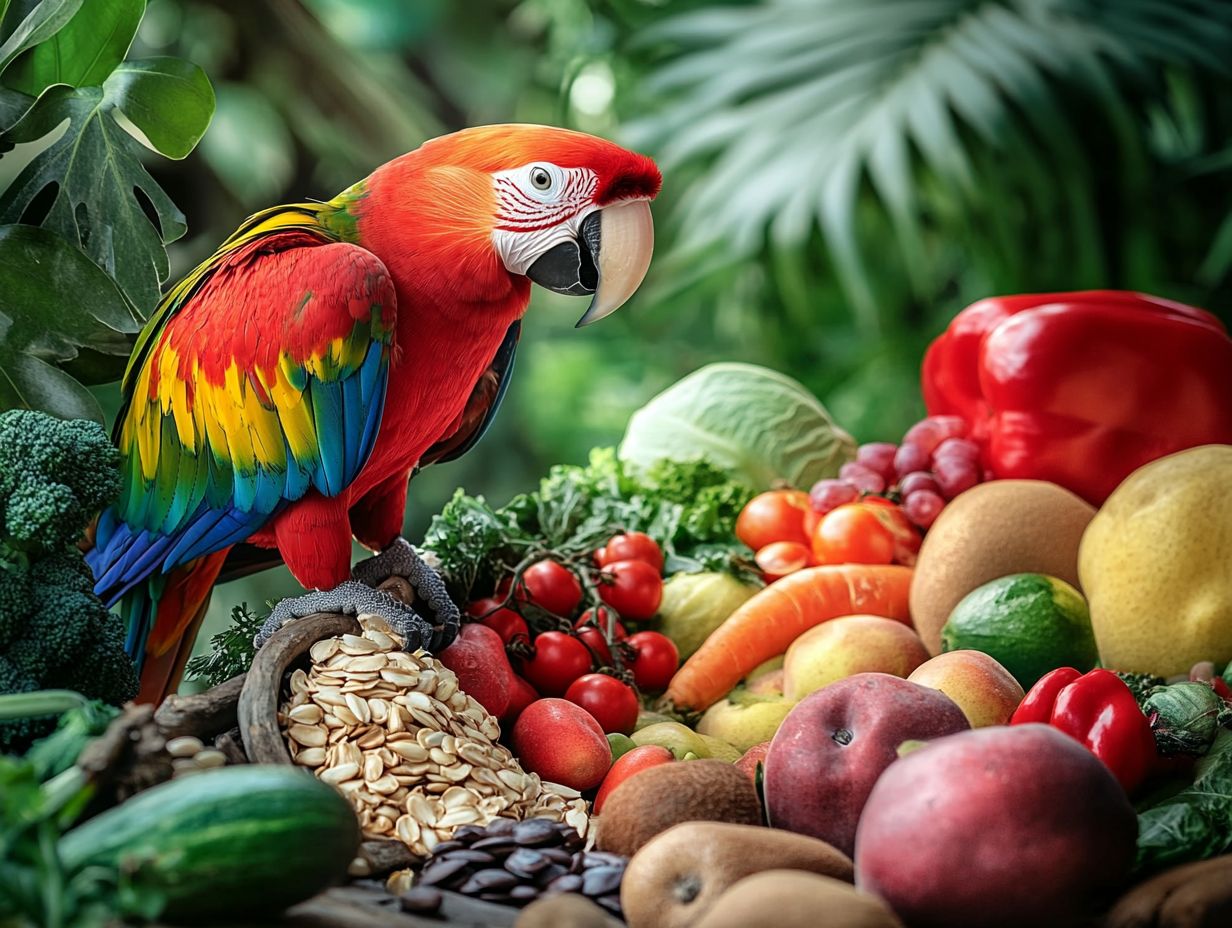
(54, 302)
(96, 171)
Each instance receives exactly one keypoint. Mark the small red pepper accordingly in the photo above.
(1098, 710)
(1082, 388)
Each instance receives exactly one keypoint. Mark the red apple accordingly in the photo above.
(562, 743)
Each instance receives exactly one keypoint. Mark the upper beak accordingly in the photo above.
(609, 258)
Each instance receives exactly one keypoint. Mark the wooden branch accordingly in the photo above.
(204, 714)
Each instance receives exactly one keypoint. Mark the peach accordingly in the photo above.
(846, 646)
(986, 692)
(562, 743)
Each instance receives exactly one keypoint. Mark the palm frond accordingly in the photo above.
(798, 106)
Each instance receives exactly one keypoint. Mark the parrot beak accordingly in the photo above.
(609, 259)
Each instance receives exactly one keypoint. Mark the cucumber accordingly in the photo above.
(228, 842)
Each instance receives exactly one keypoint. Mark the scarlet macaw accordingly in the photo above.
(285, 390)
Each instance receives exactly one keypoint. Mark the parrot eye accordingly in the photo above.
(540, 179)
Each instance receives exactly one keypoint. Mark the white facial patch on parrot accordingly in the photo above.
(538, 206)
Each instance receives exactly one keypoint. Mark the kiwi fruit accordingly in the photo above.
(995, 529)
(687, 791)
(677, 876)
(794, 899)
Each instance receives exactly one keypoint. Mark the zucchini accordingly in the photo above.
(228, 842)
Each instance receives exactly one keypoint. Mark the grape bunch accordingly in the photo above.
(934, 463)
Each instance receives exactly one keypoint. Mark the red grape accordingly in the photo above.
(922, 507)
(865, 479)
(911, 457)
(929, 433)
(960, 448)
(955, 475)
(878, 456)
(830, 494)
(917, 480)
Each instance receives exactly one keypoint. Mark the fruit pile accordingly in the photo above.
(802, 676)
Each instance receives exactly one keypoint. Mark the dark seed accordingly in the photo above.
(574, 841)
(501, 898)
(567, 883)
(599, 881)
(422, 900)
(599, 859)
(464, 834)
(612, 904)
(446, 846)
(535, 831)
(526, 863)
(549, 873)
(470, 855)
(522, 894)
(497, 844)
(577, 864)
(501, 826)
(488, 881)
(557, 855)
(439, 871)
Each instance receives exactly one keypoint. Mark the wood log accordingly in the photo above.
(262, 687)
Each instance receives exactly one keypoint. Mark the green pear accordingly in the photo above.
(744, 719)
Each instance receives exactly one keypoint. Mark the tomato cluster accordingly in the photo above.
(788, 533)
(587, 657)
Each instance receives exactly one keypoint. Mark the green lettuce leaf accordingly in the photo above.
(1195, 823)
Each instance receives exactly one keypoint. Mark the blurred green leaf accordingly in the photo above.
(249, 146)
(83, 52)
(798, 108)
(54, 301)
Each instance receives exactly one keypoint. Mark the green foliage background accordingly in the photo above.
(841, 176)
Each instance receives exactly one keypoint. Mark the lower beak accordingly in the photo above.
(609, 259)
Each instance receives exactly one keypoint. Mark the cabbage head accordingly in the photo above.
(761, 426)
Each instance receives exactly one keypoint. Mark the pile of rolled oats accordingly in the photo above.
(416, 756)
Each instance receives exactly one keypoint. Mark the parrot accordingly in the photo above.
(285, 391)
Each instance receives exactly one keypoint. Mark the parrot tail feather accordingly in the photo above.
(162, 617)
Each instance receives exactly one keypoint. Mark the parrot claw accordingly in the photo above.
(359, 597)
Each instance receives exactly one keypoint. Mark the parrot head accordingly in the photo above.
(567, 210)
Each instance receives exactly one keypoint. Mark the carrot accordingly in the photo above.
(768, 623)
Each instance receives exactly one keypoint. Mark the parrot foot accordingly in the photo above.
(358, 597)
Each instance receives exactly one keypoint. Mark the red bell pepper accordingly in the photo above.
(1100, 711)
(1082, 388)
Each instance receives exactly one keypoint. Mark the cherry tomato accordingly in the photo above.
(780, 558)
(906, 536)
(551, 586)
(631, 546)
(605, 619)
(613, 704)
(853, 534)
(632, 588)
(634, 761)
(590, 636)
(776, 515)
(557, 661)
(654, 661)
(501, 619)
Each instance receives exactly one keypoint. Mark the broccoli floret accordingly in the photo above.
(55, 475)
(63, 638)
